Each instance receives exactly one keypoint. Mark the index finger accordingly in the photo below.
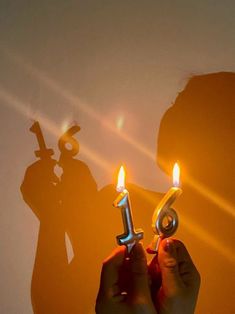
(110, 272)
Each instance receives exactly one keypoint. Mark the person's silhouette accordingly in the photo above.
(199, 131)
(40, 192)
(62, 205)
(71, 204)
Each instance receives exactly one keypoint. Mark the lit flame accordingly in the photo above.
(176, 175)
(64, 127)
(120, 122)
(121, 179)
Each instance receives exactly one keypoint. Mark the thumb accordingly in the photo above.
(139, 273)
(168, 263)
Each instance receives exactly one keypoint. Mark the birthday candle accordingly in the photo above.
(165, 219)
(130, 235)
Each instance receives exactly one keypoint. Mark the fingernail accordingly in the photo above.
(168, 246)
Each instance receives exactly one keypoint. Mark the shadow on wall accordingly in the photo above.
(199, 131)
(71, 204)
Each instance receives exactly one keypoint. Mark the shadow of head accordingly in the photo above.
(199, 131)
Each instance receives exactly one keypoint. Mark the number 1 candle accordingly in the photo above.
(130, 235)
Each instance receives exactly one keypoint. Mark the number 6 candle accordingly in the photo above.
(165, 219)
(130, 235)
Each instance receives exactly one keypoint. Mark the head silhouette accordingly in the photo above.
(199, 131)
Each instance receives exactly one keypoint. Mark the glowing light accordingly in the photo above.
(192, 227)
(51, 127)
(176, 175)
(121, 179)
(64, 127)
(211, 196)
(120, 122)
(73, 100)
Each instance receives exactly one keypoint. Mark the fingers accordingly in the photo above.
(172, 283)
(188, 272)
(135, 296)
(139, 273)
(177, 269)
(110, 272)
(135, 268)
(155, 276)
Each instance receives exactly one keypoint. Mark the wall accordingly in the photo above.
(114, 67)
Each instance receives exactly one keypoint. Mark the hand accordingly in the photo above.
(175, 279)
(119, 296)
(39, 188)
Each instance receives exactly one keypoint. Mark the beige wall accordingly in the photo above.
(107, 65)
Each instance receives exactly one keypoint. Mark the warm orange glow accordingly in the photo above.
(65, 126)
(121, 179)
(176, 175)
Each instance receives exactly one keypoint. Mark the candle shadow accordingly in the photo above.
(72, 205)
(62, 205)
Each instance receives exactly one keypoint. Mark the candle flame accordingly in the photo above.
(121, 179)
(65, 126)
(176, 175)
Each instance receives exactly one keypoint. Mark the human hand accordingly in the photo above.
(130, 296)
(39, 188)
(175, 279)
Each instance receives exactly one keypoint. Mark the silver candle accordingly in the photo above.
(165, 219)
(130, 235)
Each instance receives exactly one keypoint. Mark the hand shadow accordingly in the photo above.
(62, 205)
(73, 205)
